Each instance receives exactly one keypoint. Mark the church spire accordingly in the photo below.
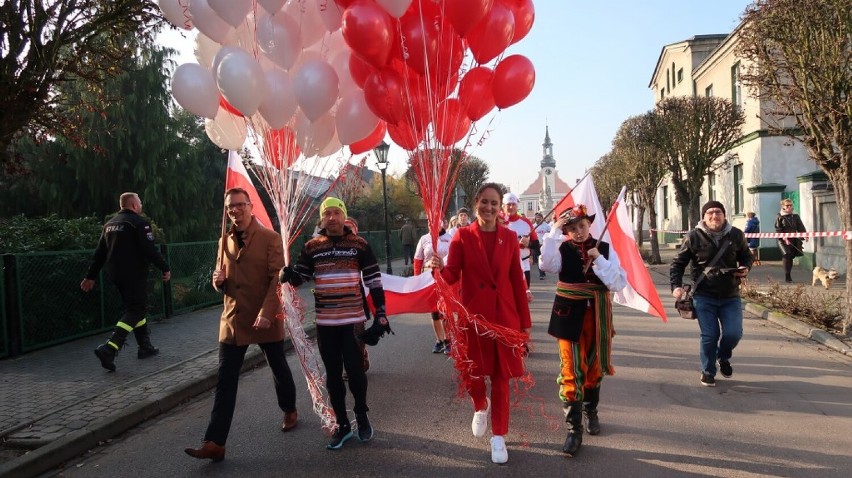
(547, 150)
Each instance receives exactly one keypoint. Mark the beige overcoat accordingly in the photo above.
(251, 278)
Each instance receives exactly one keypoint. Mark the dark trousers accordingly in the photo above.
(230, 362)
(408, 253)
(338, 349)
(134, 296)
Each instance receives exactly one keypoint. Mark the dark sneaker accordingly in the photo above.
(146, 351)
(447, 347)
(340, 436)
(365, 430)
(726, 369)
(106, 355)
(541, 276)
(707, 380)
(438, 347)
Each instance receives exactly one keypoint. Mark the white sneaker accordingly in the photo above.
(480, 420)
(499, 454)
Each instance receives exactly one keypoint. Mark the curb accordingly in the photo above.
(789, 323)
(76, 443)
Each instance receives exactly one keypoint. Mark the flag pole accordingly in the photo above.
(606, 225)
(568, 193)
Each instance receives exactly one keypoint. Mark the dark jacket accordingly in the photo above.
(790, 223)
(698, 249)
(753, 226)
(125, 249)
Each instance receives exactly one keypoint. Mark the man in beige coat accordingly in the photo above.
(249, 260)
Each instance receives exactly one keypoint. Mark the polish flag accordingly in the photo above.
(238, 177)
(640, 292)
(408, 295)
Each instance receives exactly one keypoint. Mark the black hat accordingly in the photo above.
(710, 205)
(576, 213)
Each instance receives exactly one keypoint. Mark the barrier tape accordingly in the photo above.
(780, 235)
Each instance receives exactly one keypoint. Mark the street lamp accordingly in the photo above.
(381, 152)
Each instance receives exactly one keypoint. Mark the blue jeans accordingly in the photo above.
(713, 313)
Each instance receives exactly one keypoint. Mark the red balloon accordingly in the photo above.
(514, 79)
(429, 10)
(492, 34)
(368, 30)
(451, 122)
(344, 4)
(223, 103)
(384, 92)
(450, 56)
(281, 148)
(524, 13)
(404, 136)
(371, 141)
(475, 92)
(421, 43)
(463, 15)
(360, 70)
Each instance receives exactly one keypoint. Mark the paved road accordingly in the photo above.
(786, 412)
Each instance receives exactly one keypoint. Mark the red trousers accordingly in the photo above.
(580, 366)
(499, 402)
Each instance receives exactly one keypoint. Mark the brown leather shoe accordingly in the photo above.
(207, 450)
(291, 419)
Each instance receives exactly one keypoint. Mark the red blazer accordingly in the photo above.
(493, 287)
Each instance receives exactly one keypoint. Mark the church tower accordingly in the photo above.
(548, 178)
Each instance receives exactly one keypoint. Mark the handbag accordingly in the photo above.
(685, 305)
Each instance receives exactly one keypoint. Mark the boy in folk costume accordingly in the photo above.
(581, 319)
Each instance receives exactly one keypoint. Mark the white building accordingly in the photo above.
(766, 165)
(548, 188)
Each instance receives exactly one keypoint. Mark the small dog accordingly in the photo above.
(827, 276)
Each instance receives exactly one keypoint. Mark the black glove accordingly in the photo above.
(286, 274)
(380, 327)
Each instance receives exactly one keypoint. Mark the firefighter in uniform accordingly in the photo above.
(126, 248)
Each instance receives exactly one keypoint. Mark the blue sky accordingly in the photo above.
(593, 63)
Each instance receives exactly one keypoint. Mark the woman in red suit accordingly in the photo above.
(485, 258)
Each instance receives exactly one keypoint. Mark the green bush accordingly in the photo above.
(51, 233)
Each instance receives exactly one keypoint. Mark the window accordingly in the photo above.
(662, 93)
(668, 81)
(711, 187)
(680, 75)
(708, 91)
(529, 205)
(739, 189)
(665, 196)
(736, 89)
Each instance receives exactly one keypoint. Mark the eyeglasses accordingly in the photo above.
(236, 205)
(714, 212)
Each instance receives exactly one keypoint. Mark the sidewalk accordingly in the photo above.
(59, 402)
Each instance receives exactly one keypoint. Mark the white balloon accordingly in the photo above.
(244, 35)
(223, 51)
(340, 63)
(308, 18)
(232, 11)
(316, 88)
(354, 120)
(195, 90)
(241, 81)
(336, 43)
(332, 147)
(313, 137)
(331, 14)
(395, 7)
(272, 6)
(279, 38)
(280, 102)
(208, 22)
(177, 14)
(205, 50)
(226, 130)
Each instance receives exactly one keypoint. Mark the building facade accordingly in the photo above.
(764, 167)
(548, 188)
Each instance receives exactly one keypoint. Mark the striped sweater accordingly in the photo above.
(337, 265)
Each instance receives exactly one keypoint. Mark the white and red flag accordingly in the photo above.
(640, 292)
(238, 177)
(408, 295)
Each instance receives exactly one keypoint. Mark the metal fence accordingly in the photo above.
(41, 303)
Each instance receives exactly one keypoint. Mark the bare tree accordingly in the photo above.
(472, 175)
(646, 168)
(693, 133)
(44, 43)
(800, 62)
(609, 175)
